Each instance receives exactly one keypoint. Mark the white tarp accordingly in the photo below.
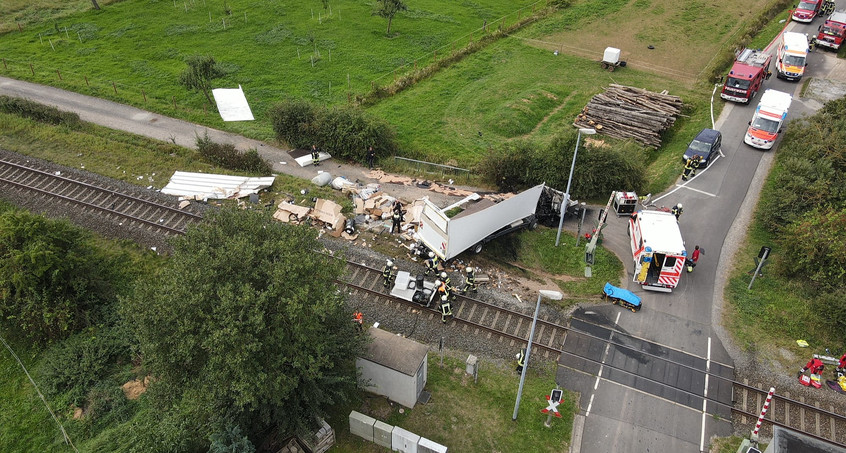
(204, 186)
(232, 104)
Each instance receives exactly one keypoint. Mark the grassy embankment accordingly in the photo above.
(273, 50)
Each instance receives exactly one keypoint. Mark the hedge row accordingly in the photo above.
(38, 112)
(226, 156)
(598, 171)
(344, 132)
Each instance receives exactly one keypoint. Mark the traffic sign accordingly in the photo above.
(554, 401)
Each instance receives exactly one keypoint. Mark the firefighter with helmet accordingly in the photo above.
(432, 264)
(446, 308)
(315, 155)
(689, 168)
(677, 211)
(521, 360)
(445, 278)
(470, 280)
(358, 319)
(387, 273)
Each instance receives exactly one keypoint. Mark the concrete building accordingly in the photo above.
(394, 367)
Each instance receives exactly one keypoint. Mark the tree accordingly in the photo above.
(201, 70)
(388, 9)
(244, 324)
(52, 278)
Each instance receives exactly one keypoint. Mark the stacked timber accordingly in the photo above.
(628, 112)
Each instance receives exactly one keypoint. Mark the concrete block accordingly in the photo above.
(472, 362)
(382, 434)
(428, 446)
(404, 441)
(361, 425)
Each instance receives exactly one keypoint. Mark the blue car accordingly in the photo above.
(706, 144)
(621, 296)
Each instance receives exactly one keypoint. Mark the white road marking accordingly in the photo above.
(705, 397)
(601, 365)
(699, 191)
(684, 184)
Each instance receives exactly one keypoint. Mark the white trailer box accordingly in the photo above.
(611, 55)
(448, 237)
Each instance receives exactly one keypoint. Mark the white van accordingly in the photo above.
(792, 56)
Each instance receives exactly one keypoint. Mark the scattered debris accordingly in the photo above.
(203, 186)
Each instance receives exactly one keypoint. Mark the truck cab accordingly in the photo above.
(792, 56)
(747, 75)
(833, 31)
(768, 119)
(806, 10)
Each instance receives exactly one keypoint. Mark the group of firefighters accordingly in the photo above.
(690, 166)
(445, 291)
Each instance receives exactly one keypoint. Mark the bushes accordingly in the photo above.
(71, 368)
(598, 171)
(344, 132)
(38, 112)
(226, 156)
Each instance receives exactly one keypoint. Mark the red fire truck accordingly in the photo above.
(833, 31)
(657, 250)
(747, 75)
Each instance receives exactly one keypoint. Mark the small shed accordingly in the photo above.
(394, 367)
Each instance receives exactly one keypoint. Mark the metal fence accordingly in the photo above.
(432, 170)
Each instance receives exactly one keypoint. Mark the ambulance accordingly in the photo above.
(657, 250)
(792, 56)
(768, 119)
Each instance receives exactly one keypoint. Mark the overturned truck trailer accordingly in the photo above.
(481, 221)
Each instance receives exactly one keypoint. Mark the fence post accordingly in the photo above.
(114, 86)
(59, 74)
(86, 82)
(31, 69)
(144, 94)
(173, 98)
(20, 29)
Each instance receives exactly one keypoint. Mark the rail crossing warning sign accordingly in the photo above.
(554, 401)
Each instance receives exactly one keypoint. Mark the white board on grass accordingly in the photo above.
(232, 104)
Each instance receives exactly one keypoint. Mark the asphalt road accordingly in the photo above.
(634, 399)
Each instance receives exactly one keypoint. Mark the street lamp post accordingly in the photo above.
(570, 180)
(552, 295)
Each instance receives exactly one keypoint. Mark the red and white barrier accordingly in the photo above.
(763, 413)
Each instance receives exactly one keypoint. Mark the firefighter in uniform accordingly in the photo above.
(815, 366)
(688, 169)
(521, 360)
(358, 320)
(470, 280)
(397, 217)
(446, 308)
(677, 211)
(387, 273)
(315, 155)
(443, 290)
(841, 367)
(445, 278)
(432, 264)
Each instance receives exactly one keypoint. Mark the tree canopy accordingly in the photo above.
(201, 70)
(244, 323)
(388, 9)
(52, 277)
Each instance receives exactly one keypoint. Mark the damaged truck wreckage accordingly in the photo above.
(474, 221)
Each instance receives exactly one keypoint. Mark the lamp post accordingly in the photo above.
(570, 180)
(552, 295)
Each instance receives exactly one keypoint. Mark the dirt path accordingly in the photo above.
(553, 112)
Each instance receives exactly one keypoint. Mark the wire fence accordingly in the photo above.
(432, 170)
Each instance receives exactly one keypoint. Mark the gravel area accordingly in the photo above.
(106, 225)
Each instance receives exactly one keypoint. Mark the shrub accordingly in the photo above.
(344, 132)
(226, 156)
(294, 122)
(598, 170)
(38, 112)
(816, 243)
(71, 368)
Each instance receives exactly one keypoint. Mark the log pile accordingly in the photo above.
(628, 112)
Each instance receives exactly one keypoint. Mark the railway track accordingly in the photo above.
(821, 423)
(95, 197)
(472, 315)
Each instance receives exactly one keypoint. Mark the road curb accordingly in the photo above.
(576, 435)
